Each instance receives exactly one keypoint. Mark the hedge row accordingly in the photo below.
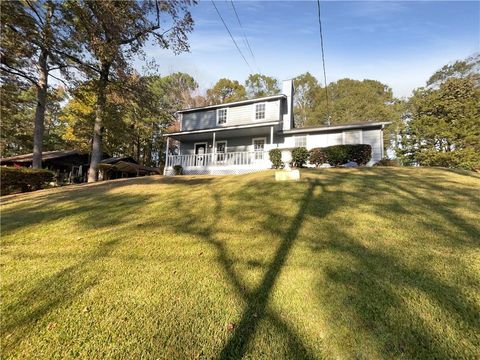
(340, 154)
(23, 179)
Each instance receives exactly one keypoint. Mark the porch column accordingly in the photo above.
(166, 156)
(271, 137)
(214, 149)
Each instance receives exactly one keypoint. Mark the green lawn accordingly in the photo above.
(377, 263)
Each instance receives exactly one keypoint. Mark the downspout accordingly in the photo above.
(382, 145)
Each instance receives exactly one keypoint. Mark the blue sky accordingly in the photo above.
(398, 43)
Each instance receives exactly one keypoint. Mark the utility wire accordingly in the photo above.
(244, 35)
(231, 36)
(323, 60)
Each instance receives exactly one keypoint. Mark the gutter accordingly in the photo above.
(202, 131)
(335, 127)
(235, 103)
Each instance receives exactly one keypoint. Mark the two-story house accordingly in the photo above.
(235, 138)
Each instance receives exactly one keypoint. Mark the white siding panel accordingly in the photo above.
(353, 137)
(335, 139)
(317, 140)
(374, 139)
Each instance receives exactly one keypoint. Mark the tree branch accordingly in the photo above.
(61, 80)
(30, 39)
(78, 61)
(36, 13)
(63, 66)
(10, 70)
(139, 34)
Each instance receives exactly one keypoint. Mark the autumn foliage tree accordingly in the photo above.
(226, 90)
(110, 34)
(32, 36)
(259, 85)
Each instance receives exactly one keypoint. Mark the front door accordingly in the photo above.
(259, 148)
(200, 154)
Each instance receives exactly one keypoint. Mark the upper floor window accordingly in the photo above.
(300, 141)
(260, 111)
(221, 116)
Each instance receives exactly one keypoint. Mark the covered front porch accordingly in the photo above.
(222, 151)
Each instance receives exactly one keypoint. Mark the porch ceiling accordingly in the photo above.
(224, 134)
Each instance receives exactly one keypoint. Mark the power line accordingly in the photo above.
(244, 35)
(231, 36)
(323, 60)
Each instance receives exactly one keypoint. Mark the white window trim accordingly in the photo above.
(300, 136)
(221, 141)
(259, 138)
(264, 147)
(226, 115)
(199, 143)
(255, 111)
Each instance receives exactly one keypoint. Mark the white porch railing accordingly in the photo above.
(220, 163)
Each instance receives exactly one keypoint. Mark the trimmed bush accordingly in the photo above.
(276, 158)
(387, 162)
(299, 157)
(23, 179)
(340, 154)
(318, 156)
(178, 169)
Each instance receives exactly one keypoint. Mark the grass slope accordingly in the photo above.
(346, 264)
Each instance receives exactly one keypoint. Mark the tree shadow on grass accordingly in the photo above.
(21, 314)
(372, 286)
(95, 205)
(256, 298)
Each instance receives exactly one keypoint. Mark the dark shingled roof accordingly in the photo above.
(46, 155)
(116, 159)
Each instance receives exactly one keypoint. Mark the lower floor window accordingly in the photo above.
(259, 148)
(221, 150)
(300, 141)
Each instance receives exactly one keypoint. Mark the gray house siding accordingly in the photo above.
(199, 120)
(236, 115)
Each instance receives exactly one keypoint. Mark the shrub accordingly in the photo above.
(317, 156)
(340, 154)
(467, 159)
(276, 158)
(299, 157)
(387, 162)
(178, 169)
(23, 179)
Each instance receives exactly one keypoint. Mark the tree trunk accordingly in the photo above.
(42, 87)
(40, 110)
(98, 127)
(138, 149)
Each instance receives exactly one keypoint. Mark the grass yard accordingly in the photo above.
(377, 263)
